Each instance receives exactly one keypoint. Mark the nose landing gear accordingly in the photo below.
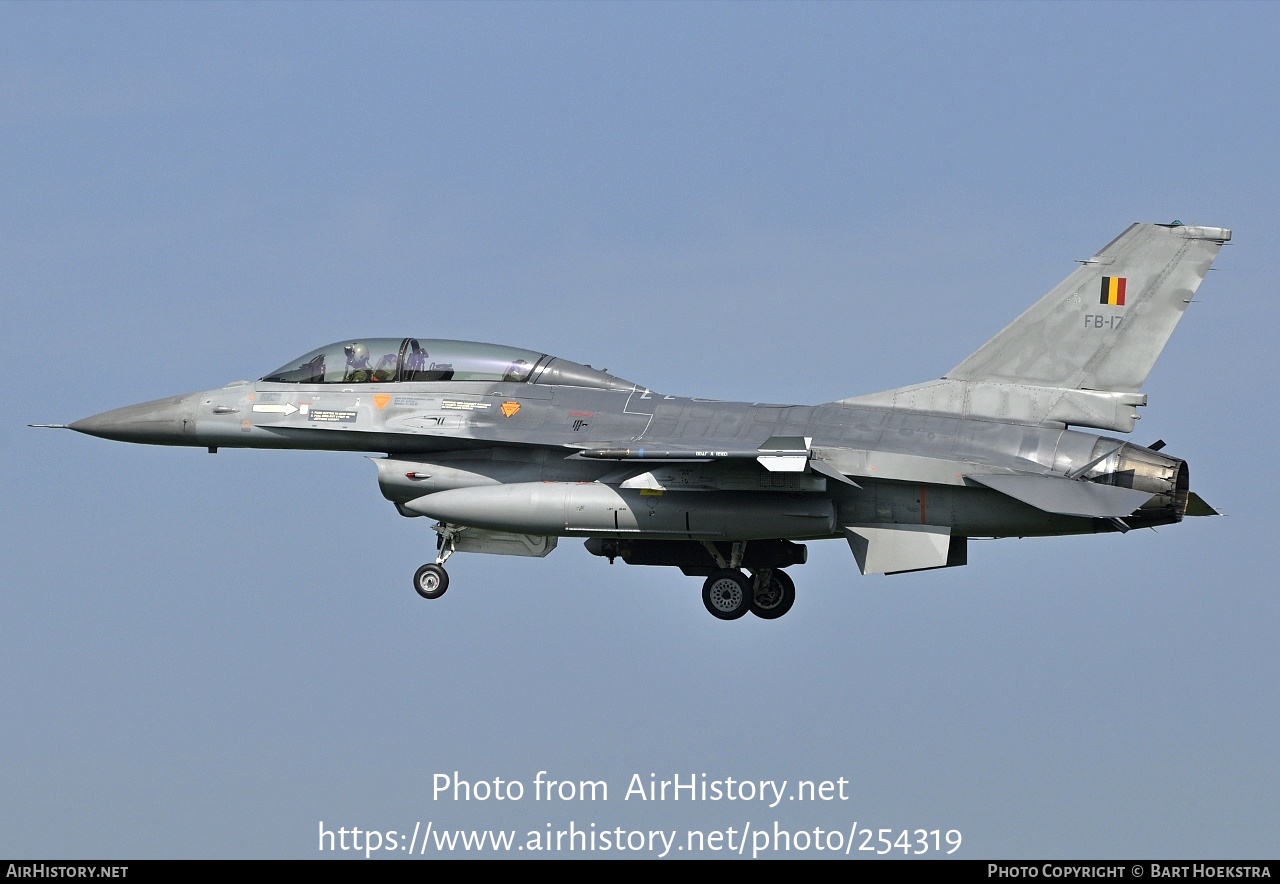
(431, 580)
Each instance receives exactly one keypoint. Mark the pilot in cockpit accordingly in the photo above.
(517, 372)
(385, 370)
(358, 371)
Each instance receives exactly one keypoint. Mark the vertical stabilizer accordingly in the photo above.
(1081, 353)
(1103, 327)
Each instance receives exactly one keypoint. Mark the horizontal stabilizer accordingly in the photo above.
(894, 548)
(1196, 506)
(1067, 497)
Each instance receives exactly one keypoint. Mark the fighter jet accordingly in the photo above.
(506, 450)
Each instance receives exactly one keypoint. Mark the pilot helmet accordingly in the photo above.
(356, 352)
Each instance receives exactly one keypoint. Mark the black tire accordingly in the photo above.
(771, 601)
(431, 581)
(727, 594)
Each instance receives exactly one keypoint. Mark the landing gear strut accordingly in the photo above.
(773, 593)
(431, 580)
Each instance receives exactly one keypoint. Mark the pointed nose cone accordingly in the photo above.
(162, 422)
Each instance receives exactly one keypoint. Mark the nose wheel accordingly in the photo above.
(431, 581)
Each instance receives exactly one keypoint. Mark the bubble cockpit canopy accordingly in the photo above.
(411, 360)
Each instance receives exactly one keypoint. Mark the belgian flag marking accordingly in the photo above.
(1113, 291)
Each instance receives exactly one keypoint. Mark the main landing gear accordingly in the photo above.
(774, 594)
(729, 593)
(431, 580)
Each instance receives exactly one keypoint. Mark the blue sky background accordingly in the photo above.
(205, 656)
